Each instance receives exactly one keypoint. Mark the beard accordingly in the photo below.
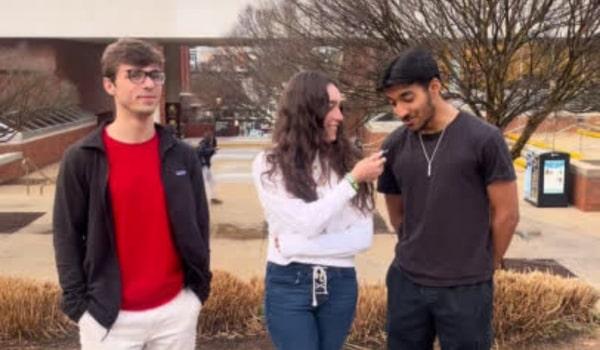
(428, 112)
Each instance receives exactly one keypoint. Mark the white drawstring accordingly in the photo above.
(319, 283)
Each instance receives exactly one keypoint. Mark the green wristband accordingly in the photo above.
(352, 181)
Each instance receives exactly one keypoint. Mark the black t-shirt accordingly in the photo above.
(446, 230)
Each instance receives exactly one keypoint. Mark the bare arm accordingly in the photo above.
(395, 210)
(504, 207)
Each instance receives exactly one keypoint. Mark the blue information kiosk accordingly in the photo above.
(547, 178)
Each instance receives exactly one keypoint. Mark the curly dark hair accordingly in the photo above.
(299, 136)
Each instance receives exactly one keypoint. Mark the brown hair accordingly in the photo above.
(135, 52)
(299, 135)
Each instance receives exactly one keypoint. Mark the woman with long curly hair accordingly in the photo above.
(318, 201)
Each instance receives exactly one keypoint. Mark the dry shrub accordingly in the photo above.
(536, 306)
(232, 309)
(528, 308)
(369, 323)
(257, 287)
(29, 310)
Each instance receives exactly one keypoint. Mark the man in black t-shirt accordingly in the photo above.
(451, 195)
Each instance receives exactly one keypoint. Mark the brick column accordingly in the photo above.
(585, 185)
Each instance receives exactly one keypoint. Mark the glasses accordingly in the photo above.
(137, 76)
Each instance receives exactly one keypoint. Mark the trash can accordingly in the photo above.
(546, 178)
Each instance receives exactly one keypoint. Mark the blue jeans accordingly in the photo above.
(460, 316)
(293, 320)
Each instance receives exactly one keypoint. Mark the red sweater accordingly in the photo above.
(151, 272)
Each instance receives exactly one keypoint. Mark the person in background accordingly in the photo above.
(207, 147)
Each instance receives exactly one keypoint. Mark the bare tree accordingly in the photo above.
(226, 80)
(502, 58)
(280, 49)
(23, 94)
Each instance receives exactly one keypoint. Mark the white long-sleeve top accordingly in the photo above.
(328, 231)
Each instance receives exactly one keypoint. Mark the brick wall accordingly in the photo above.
(10, 170)
(586, 192)
(42, 150)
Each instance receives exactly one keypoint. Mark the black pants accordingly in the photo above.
(460, 316)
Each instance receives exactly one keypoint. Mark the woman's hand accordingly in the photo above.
(369, 168)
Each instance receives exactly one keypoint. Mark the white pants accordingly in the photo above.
(209, 183)
(169, 326)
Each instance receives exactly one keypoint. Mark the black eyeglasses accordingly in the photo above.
(137, 76)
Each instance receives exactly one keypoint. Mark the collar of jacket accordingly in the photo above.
(166, 138)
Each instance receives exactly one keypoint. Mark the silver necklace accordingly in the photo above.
(437, 144)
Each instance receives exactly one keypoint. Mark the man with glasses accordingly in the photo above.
(131, 219)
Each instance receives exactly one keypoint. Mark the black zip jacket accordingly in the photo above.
(84, 237)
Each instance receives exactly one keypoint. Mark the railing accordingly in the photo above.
(549, 138)
(31, 168)
(580, 125)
